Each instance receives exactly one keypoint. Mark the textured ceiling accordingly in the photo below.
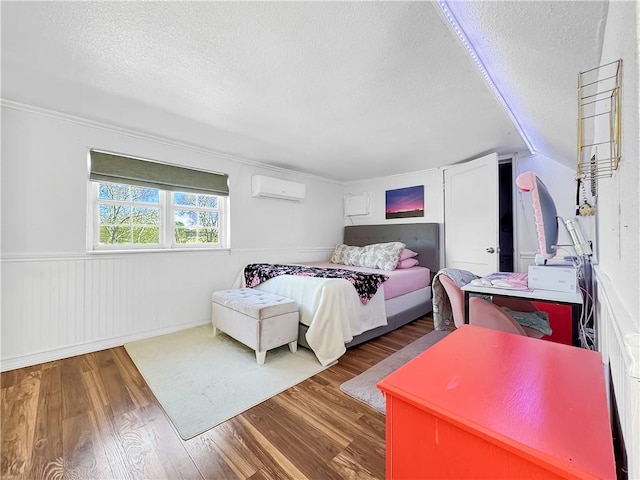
(344, 90)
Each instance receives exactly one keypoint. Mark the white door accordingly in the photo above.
(471, 215)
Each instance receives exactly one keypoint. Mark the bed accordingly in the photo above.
(332, 315)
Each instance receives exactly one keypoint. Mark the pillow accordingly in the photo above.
(407, 263)
(407, 253)
(338, 253)
(383, 256)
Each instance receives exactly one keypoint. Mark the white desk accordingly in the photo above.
(574, 299)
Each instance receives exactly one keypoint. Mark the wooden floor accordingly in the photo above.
(93, 416)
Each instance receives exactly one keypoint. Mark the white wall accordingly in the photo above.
(558, 178)
(59, 300)
(618, 234)
(619, 197)
(377, 187)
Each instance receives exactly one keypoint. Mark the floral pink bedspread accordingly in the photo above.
(366, 284)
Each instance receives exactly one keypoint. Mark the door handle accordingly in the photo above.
(490, 250)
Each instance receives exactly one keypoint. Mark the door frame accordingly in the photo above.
(510, 159)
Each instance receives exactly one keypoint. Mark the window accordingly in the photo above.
(196, 218)
(128, 215)
(138, 204)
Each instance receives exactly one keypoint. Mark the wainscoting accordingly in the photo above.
(617, 339)
(59, 306)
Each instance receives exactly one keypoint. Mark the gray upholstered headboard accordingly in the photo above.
(419, 237)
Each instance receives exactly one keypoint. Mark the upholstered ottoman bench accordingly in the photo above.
(260, 320)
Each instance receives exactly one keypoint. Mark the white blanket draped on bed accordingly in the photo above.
(331, 308)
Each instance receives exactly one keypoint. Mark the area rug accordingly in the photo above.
(363, 387)
(201, 380)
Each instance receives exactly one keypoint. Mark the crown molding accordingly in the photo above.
(159, 139)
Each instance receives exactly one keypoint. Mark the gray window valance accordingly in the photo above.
(108, 167)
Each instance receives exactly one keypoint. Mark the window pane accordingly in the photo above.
(208, 219)
(114, 214)
(146, 234)
(208, 235)
(115, 234)
(147, 195)
(180, 234)
(186, 199)
(185, 218)
(186, 235)
(210, 201)
(146, 216)
(113, 191)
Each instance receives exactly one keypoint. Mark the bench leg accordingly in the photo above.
(260, 356)
(216, 330)
(293, 346)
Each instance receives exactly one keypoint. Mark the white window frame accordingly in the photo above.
(166, 227)
(172, 207)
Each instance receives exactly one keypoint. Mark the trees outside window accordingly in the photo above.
(196, 218)
(129, 216)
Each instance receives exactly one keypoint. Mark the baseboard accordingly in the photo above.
(90, 347)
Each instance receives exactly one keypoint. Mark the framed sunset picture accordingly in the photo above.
(405, 202)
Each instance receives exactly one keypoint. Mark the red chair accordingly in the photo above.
(486, 314)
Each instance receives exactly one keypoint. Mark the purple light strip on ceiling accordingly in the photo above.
(450, 17)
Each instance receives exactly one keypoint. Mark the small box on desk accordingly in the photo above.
(555, 277)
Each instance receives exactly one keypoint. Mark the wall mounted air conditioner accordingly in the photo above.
(269, 187)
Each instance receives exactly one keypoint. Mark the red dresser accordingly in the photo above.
(486, 404)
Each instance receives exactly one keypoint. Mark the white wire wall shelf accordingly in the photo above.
(599, 121)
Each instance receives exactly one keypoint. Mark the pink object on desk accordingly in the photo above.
(544, 213)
